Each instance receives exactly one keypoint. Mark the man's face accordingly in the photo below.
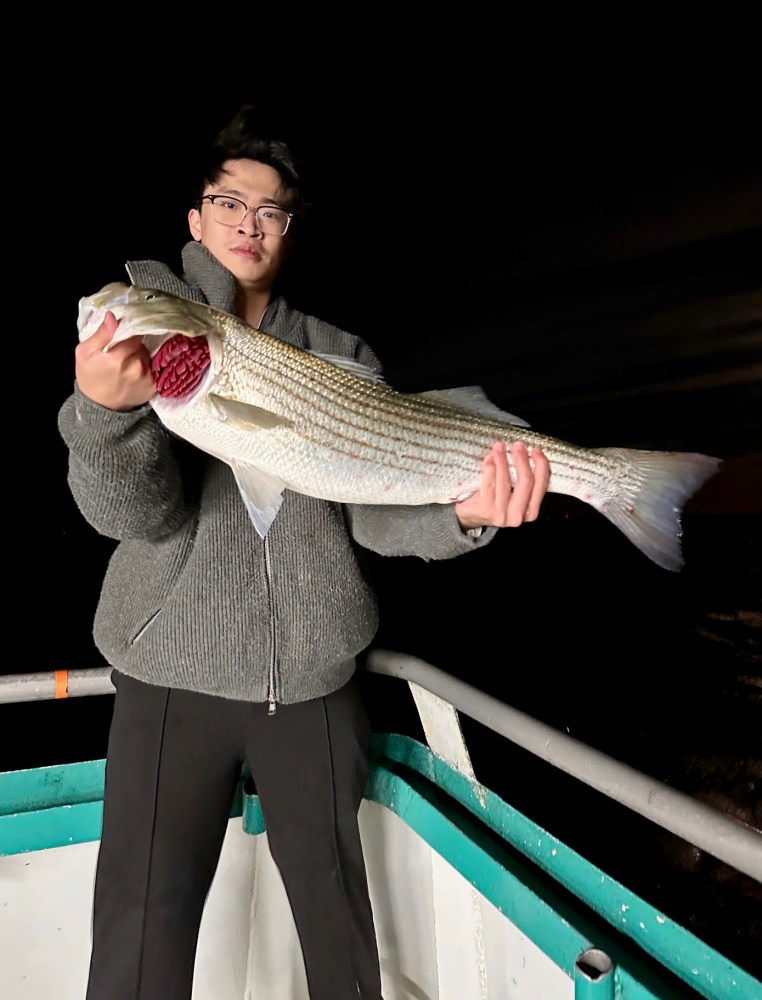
(255, 258)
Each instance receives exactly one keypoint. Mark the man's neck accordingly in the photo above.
(251, 306)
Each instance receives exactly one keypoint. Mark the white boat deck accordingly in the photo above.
(248, 946)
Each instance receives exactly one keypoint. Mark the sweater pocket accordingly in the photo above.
(139, 580)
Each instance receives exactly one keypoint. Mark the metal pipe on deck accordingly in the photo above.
(594, 977)
(55, 684)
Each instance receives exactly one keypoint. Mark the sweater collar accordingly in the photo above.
(203, 270)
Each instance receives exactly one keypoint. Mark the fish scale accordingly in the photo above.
(285, 418)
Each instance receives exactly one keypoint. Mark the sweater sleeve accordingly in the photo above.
(431, 531)
(123, 472)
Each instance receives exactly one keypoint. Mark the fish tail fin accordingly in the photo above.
(652, 521)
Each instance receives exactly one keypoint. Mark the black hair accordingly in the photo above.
(242, 139)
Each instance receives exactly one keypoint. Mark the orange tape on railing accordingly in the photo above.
(62, 684)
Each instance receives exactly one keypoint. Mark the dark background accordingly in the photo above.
(581, 237)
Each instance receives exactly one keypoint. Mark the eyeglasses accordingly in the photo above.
(232, 211)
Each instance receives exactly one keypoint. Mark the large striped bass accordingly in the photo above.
(286, 418)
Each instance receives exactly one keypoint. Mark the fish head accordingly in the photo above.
(146, 312)
(92, 308)
(183, 337)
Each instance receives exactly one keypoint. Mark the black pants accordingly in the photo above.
(174, 759)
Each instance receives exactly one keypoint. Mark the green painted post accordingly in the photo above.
(594, 976)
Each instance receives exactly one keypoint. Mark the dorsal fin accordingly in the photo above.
(474, 398)
(350, 365)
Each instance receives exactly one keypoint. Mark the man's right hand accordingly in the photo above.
(119, 378)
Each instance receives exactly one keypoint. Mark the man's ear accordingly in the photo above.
(194, 223)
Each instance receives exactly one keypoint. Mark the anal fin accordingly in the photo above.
(262, 494)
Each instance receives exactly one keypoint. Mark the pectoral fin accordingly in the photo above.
(244, 415)
(262, 494)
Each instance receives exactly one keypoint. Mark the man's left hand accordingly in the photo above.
(500, 503)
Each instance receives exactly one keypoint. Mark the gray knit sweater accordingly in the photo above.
(193, 597)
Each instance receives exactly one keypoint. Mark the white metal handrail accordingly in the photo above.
(700, 824)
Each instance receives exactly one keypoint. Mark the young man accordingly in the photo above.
(229, 649)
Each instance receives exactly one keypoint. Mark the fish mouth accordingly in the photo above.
(179, 365)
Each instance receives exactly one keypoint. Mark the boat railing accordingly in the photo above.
(696, 822)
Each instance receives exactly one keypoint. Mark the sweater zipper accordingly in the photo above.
(271, 601)
(273, 648)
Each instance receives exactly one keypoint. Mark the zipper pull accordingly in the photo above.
(271, 709)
